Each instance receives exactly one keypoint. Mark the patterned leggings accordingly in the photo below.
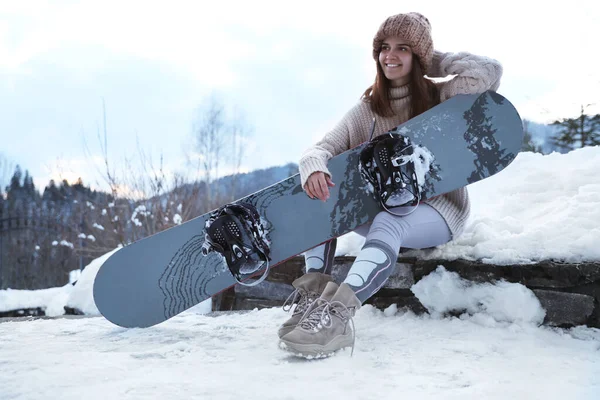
(422, 228)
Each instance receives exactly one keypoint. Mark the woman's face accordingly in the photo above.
(396, 59)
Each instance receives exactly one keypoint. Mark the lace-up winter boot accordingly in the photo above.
(326, 326)
(308, 288)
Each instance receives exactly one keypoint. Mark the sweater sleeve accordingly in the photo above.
(315, 158)
(474, 74)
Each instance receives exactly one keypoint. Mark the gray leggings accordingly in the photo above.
(422, 228)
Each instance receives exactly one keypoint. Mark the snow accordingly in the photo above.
(177, 219)
(397, 355)
(442, 292)
(81, 296)
(89, 237)
(74, 276)
(52, 300)
(63, 243)
(422, 160)
(540, 207)
(141, 210)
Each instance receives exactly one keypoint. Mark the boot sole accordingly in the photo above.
(311, 351)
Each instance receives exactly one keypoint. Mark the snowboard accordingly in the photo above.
(469, 138)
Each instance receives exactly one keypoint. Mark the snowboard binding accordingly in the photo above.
(237, 233)
(387, 165)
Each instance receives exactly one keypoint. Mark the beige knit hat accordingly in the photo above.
(413, 27)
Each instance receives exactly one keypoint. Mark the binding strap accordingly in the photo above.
(236, 232)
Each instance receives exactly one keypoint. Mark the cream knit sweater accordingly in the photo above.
(474, 74)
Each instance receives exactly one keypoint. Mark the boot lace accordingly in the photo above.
(304, 298)
(320, 317)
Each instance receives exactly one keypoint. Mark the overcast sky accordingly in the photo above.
(292, 69)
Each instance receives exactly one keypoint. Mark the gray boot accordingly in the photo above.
(308, 288)
(325, 328)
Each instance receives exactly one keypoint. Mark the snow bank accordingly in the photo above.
(51, 300)
(442, 291)
(82, 296)
(540, 207)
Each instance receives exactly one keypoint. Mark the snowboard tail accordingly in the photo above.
(463, 140)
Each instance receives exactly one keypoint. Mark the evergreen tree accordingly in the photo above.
(15, 185)
(82, 192)
(21, 195)
(29, 188)
(577, 132)
(51, 193)
(15, 193)
(65, 191)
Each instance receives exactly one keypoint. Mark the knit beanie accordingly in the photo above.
(413, 27)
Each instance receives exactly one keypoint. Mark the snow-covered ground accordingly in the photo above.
(498, 352)
(540, 207)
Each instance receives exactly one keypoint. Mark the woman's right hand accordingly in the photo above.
(317, 185)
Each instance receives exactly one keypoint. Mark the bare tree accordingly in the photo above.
(219, 142)
(240, 132)
(209, 132)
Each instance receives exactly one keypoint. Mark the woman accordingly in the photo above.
(403, 51)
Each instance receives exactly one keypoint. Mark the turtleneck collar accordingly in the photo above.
(400, 101)
(400, 92)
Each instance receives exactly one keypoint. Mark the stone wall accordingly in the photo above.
(570, 293)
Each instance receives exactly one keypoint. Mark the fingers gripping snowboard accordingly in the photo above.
(461, 141)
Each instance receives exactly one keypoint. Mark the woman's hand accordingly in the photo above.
(317, 185)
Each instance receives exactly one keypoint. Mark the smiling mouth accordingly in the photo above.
(393, 65)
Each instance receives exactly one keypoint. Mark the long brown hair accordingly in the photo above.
(424, 93)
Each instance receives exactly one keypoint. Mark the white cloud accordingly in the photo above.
(302, 66)
(564, 100)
